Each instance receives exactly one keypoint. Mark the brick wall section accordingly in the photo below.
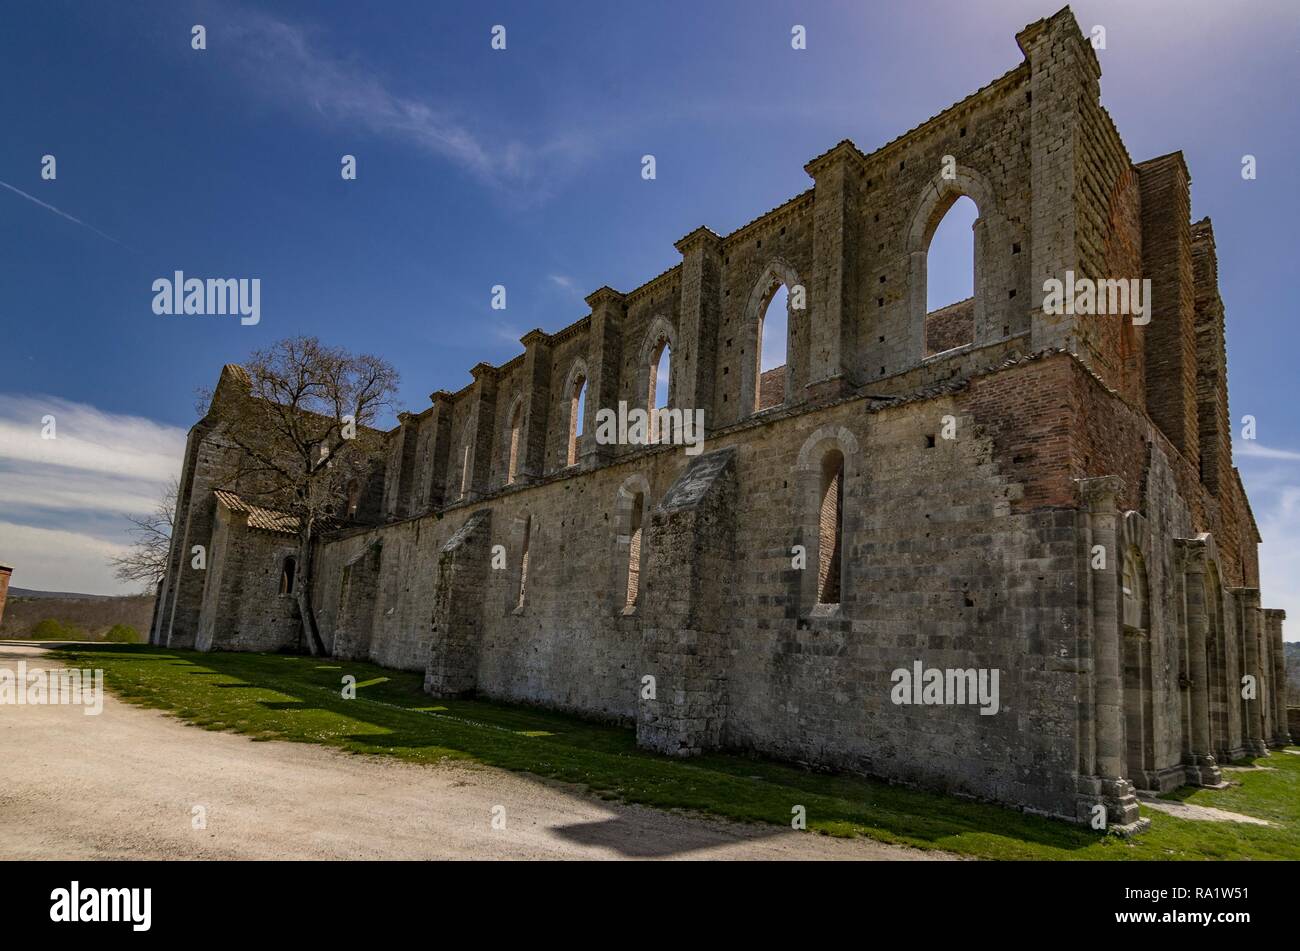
(951, 326)
(771, 387)
(1113, 439)
(1030, 416)
(1109, 235)
(1171, 335)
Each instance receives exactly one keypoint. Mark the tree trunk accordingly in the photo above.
(306, 609)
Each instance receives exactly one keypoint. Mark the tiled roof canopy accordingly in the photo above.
(267, 520)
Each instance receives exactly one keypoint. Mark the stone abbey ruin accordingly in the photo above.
(989, 487)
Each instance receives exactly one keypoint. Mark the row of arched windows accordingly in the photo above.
(631, 523)
(948, 239)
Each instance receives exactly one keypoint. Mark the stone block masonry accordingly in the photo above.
(1047, 496)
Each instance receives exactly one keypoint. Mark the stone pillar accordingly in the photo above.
(1109, 786)
(685, 588)
(434, 453)
(1273, 618)
(1268, 715)
(1202, 768)
(1170, 338)
(483, 426)
(830, 299)
(1254, 737)
(401, 467)
(1063, 71)
(460, 589)
(6, 571)
(605, 353)
(537, 406)
(701, 309)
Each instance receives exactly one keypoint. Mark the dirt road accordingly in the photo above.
(125, 784)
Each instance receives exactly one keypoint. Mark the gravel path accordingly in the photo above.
(124, 785)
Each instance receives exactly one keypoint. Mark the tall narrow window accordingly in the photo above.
(950, 279)
(287, 575)
(523, 563)
(634, 553)
(830, 528)
(577, 410)
(773, 335)
(354, 497)
(660, 374)
(464, 471)
(660, 371)
(512, 463)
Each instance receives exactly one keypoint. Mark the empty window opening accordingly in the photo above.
(634, 553)
(950, 279)
(830, 528)
(773, 343)
(288, 575)
(523, 562)
(577, 413)
(660, 373)
(464, 472)
(660, 376)
(354, 497)
(512, 466)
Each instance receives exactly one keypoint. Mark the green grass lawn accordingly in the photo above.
(268, 696)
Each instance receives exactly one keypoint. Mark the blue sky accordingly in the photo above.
(522, 168)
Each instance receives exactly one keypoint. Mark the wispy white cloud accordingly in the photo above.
(1272, 479)
(87, 439)
(49, 559)
(284, 62)
(1252, 449)
(65, 499)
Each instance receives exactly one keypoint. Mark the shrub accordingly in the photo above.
(53, 629)
(123, 634)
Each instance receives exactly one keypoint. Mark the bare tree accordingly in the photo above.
(302, 428)
(146, 559)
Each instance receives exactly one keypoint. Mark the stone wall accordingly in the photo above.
(1051, 497)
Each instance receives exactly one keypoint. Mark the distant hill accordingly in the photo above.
(62, 595)
(70, 616)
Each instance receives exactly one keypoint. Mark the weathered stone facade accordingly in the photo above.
(1048, 496)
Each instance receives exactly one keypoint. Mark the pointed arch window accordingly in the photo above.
(577, 412)
(772, 348)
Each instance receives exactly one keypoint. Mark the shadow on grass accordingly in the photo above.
(302, 700)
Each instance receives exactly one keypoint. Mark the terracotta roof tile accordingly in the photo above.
(267, 520)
